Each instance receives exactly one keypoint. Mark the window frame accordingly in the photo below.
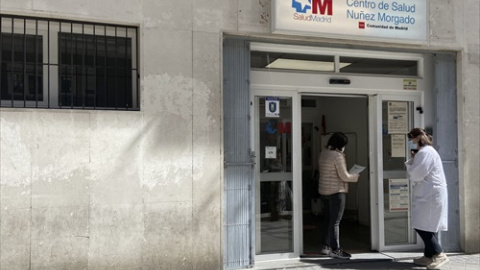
(340, 52)
(49, 30)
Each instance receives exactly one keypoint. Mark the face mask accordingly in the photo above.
(412, 145)
(343, 149)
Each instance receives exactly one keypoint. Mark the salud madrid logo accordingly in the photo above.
(315, 11)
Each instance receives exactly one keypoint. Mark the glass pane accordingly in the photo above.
(290, 61)
(396, 122)
(21, 71)
(275, 192)
(378, 66)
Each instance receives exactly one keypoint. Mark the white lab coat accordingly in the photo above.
(430, 198)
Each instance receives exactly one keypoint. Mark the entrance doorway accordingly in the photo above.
(271, 211)
(294, 113)
(321, 116)
(289, 129)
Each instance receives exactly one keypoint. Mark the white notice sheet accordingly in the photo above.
(356, 169)
(397, 117)
(398, 145)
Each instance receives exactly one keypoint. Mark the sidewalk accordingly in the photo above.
(370, 261)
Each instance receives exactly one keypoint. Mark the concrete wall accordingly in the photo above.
(123, 190)
(469, 123)
(143, 190)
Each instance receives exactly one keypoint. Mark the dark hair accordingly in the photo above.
(337, 141)
(423, 137)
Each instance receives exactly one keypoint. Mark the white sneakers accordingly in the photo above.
(435, 262)
(438, 261)
(422, 261)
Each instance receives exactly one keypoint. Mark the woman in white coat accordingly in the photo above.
(430, 198)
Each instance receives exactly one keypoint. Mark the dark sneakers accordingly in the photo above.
(339, 253)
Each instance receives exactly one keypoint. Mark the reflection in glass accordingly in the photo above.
(291, 61)
(378, 66)
(276, 200)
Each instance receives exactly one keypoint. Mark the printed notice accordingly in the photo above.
(397, 117)
(409, 84)
(270, 152)
(272, 107)
(399, 195)
(356, 169)
(398, 145)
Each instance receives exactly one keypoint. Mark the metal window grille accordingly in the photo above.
(50, 63)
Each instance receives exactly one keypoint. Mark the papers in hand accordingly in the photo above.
(356, 169)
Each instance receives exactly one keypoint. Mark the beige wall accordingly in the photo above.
(469, 123)
(126, 190)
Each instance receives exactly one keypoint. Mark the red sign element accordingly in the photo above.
(324, 6)
(284, 128)
(361, 25)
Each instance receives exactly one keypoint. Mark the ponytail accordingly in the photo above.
(423, 137)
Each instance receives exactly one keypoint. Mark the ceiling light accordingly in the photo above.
(304, 65)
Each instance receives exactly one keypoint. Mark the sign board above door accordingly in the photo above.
(392, 20)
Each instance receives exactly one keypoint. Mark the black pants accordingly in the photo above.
(432, 247)
(333, 205)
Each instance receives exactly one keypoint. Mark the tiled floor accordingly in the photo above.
(355, 238)
(371, 261)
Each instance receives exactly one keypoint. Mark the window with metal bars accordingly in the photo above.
(47, 63)
(21, 73)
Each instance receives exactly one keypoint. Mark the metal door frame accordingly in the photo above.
(298, 83)
(296, 166)
(375, 147)
(376, 166)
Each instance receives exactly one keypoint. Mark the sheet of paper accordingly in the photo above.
(397, 117)
(356, 169)
(270, 152)
(399, 194)
(398, 145)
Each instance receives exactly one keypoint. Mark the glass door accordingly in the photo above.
(395, 116)
(276, 203)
